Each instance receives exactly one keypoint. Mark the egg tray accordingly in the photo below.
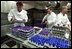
(56, 42)
(22, 32)
(40, 41)
(22, 28)
(60, 28)
(58, 33)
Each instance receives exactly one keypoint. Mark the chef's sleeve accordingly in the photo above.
(10, 16)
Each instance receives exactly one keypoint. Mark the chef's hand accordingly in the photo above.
(42, 22)
(13, 19)
(20, 21)
(68, 26)
(24, 20)
(46, 22)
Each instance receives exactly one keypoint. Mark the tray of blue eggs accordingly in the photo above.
(39, 41)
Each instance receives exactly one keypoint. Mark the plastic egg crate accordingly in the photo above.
(55, 42)
(37, 40)
(60, 28)
(58, 33)
(23, 32)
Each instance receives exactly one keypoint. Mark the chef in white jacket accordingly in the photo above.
(18, 16)
(62, 18)
(50, 18)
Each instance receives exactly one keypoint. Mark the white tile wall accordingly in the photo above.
(6, 6)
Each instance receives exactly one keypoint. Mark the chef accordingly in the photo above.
(62, 18)
(50, 18)
(18, 16)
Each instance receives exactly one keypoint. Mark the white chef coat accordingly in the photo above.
(62, 20)
(51, 18)
(18, 16)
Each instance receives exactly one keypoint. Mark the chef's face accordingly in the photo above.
(19, 8)
(48, 10)
(65, 10)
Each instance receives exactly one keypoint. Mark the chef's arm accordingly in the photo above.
(24, 19)
(68, 24)
(45, 17)
(20, 21)
(11, 18)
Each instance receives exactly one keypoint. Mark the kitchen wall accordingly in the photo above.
(6, 6)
